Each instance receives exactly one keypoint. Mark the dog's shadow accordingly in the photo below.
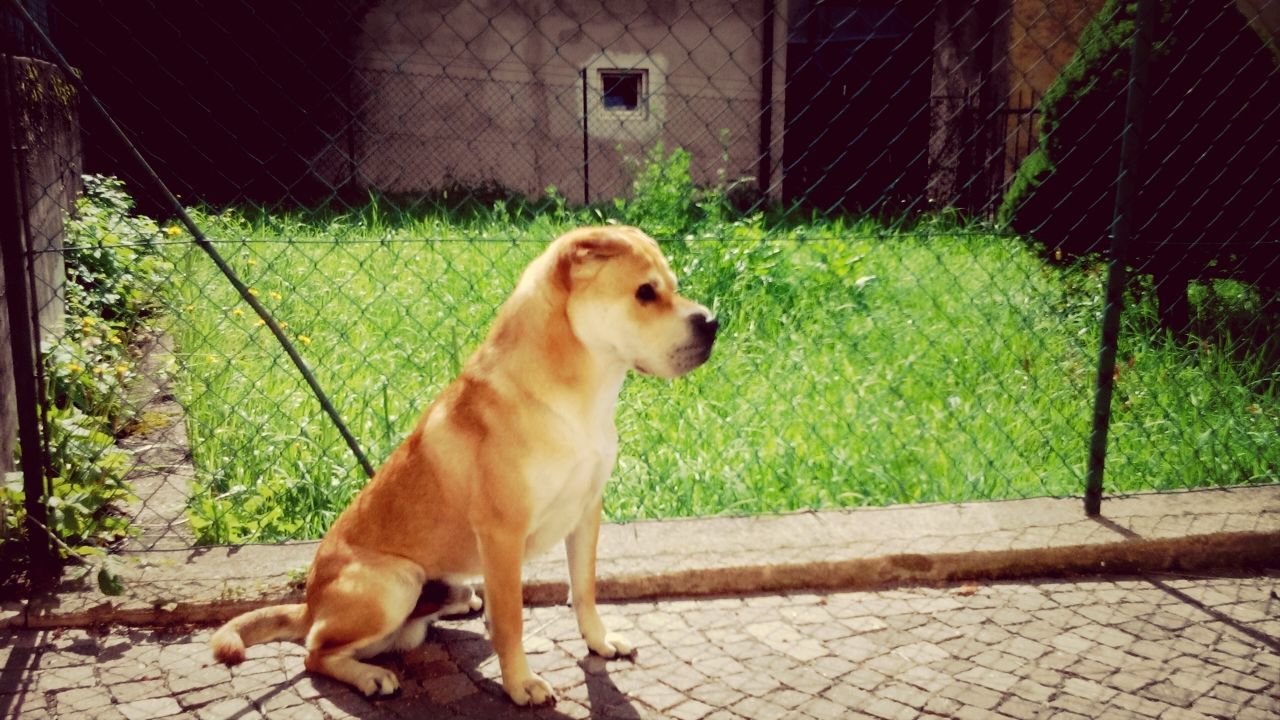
(453, 675)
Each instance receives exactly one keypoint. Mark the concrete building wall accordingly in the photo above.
(493, 90)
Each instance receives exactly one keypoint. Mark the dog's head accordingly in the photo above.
(622, 301)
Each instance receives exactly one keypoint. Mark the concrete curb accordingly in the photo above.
(844, 550)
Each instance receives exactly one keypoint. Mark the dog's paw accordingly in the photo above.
(532, 690)
(377, 681)
(612, 645)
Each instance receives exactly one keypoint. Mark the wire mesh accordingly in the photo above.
(899, 211)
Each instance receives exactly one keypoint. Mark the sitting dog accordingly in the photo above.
(509, 460)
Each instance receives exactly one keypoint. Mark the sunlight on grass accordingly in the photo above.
(857, 365)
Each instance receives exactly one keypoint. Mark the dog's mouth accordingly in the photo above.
(681, 360)
(688, 357)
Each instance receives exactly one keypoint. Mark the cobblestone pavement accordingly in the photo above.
(1167, 647)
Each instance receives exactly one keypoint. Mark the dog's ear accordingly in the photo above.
(581, 253)
(597, 247)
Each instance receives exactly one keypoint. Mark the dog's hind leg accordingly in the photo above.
(357, 613)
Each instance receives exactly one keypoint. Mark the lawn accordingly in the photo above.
(858, 364)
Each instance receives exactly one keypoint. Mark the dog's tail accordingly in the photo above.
(279, 622)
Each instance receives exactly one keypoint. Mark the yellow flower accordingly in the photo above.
(237, 312)
(253, 292)
(98, 370)
(121, 369)
(173, 231)
(251, 262)
(284, 325)
(75, 367)
(304, 339)
(275, 295)
(261, 321)
(188, 308)
(211, 359)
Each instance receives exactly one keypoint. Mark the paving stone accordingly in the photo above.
(150, 709)
(1079, 705)
(890, 710)
(1070, 649)
(969, 694)
(988, 677)
(761, 709)
(823, 709)
(1016, 707)
(942, 706)
(1169, 694)
(1032, 691)
(79, 701)
(690, 710)
(143, 690)
(1176, 713)
(1139, 706)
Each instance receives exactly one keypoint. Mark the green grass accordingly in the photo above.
(857, 365)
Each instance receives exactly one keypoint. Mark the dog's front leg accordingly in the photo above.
(502, 553)
(580, 546)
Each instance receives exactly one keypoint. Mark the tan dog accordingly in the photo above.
(509, 460)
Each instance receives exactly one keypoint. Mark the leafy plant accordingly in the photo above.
(663, 196)
(113, 273)
(90, 480)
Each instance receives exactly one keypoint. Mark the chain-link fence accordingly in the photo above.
(903, 213)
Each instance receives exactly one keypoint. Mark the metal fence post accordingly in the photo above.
(22, 345)
(1121, 227)
(586, 144)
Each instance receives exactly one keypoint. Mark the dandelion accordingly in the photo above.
(251, 262)
(121, 369)
(75, 367)
(211, 359)
(261, 321)
(98, 370)
(237, 312)
(173, 231)
(304, 339)
(284, 325)
(275, 295)
(253, 292)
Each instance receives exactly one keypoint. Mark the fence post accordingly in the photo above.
(586, 144)
(1121, 227)
(22, 346)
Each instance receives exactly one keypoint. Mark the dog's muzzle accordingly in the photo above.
(698, 350)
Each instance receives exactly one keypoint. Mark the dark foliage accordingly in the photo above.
(1208, 190)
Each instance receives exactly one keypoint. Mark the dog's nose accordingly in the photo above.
(704, 327)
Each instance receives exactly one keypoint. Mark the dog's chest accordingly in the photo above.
(566, 484)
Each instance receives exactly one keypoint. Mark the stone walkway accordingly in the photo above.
(1157, 646)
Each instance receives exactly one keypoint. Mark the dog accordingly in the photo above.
(509, 460)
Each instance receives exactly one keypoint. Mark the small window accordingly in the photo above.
(622, 89)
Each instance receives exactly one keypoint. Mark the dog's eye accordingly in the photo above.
(646, 294)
